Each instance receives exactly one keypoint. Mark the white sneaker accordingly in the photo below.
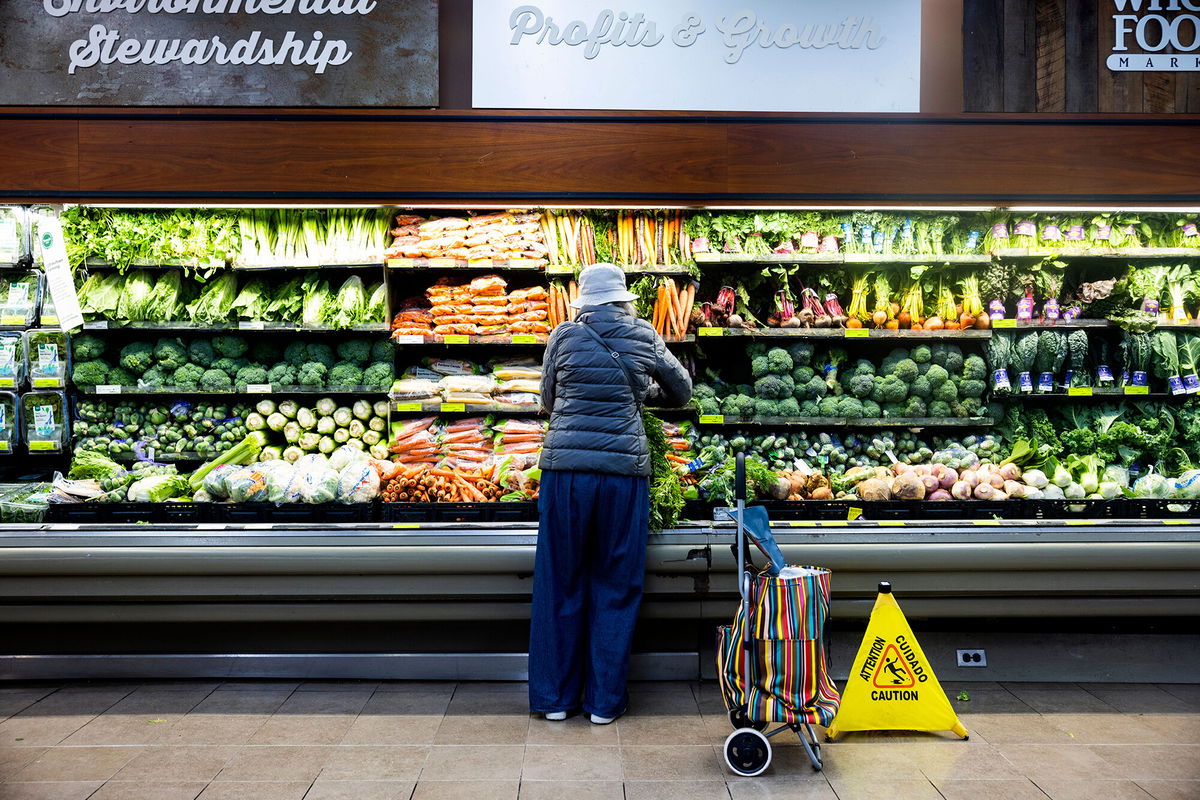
(556, 716)
(598, 720)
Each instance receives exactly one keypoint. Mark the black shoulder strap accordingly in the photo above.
(616, 357)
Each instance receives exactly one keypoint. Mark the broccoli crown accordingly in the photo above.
(87, 347)
(871, 409)
(296, 354)
(170, 353)
(915, 407)
(970, 387)
(892, 410)
(702, 391)
(137, 357)
(774, 387)
(969, 407)
(187, 376)
(322, 354)
(201, 352)
(265, 351)
(789, 407)
(894, 390)
(710, 405)
(282, 374)
(974, 368)
(153, 378)
(862, 385)
(863, 367)
(356, 351)
(921, 388)
(229, 366)
(906, 370)
(119, 376)
(766, 408)
(756, 349)
(810, 408)
(382, 351)
(939, 409)
(938, 354)
(778, 361)
(849, 407)
(759, 366)
(936, 376)
(801, 353)
(954, 359)
(922, 354)
(345, 374)
(923, 367)
(946, 392)
(731, 405)
(230, 346)
(248, 375)
(888, 365)
(312, 374)
(802, 375)
(214, 380)
(87, 374)
(817, 387)
(828, 407)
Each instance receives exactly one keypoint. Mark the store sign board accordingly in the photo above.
(1155, 36)
(307, 53)
(707, 55)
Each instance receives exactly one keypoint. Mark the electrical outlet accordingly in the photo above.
(972, 658)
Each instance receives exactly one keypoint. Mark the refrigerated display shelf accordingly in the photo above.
(253, 389)
(510, 409)
(523, 265)
(1096, 252)
(842, 333)
(198, 327)
(532, 340)
(826, 259)
(1091, 393)
(1086, 324)
(143, 263)
(840, 422)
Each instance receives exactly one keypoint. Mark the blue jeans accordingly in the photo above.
(587, 585)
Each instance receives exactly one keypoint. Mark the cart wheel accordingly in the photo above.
(738, 719)
(747, 752)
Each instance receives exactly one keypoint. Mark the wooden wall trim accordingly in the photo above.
(664, 158)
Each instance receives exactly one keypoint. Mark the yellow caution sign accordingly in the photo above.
(891, 685)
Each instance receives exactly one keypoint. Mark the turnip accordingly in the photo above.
(1032, 493)
(1011, 472)
(1014, 489)
(940, 495)
(1036, 478)
(969, 477)
(930, 483)
(948, 477)
(985, 491)
(961, 490)
(908, 487)
(996, 480)
(873, 489)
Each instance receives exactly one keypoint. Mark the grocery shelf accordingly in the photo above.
(842, 422)
(535, 340)
(1087, 324)
(253, 389)
(243, 325)
(841, 333)
(841, 258)
(563, 271)
(348, 265)
(1097, 252)
(1089, 392)
(141, 263)
(523, 265)
(402, 407)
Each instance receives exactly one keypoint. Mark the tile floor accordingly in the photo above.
(273, 740)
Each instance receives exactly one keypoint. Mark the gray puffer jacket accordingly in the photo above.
(594, 421)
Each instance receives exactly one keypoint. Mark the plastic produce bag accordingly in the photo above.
(247, 485)
(214, 481)
(415, 389)
(344, 456)
(318, 485)
(357, 483)
(475, 384)
(1187, 486)
(1152, 485)
(279, 482)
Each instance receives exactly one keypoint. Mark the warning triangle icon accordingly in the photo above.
(893, 672)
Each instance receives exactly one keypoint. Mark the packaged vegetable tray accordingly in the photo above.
(24, 502)
(8, 423)
(12, 360)
(20, 295)
(47, 358)
(43, 421)
(12, 246)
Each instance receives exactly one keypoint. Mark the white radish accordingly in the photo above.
(961, 490)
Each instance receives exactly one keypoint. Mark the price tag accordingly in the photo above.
(12, 320)
(710, 331)
(524, 338)
(1137, 390)
(702, 257)
(854, 512)
(258, 388)
(891, 524)
(49, 322)
(712, 419)
(412, 338)
(407, 407)
(406, 526)
(399, 263)
(480, 263)
(251, 325)
(96, 325)
(456, 339)
(451, 407)
(989, 522)
(800, 524)
(1081, 522)
(46, 383)
(8, 382)
(560, 269)
(833, 524)
(108, 388)
(857, 333)
(210, 526)
(444, 263)
(1080, 391)
(3, 446)
(43, 446)
(1004, 323)
(1176, 521)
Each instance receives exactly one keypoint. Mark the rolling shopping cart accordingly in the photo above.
(771, 661)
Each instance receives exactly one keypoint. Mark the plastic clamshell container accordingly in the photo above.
(9, 428)
(12, 239)
(24, 502)
(20, 297)
(47, 358)
(44, 427)
(12, 360)
(48, 315)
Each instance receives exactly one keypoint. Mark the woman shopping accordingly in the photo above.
(594, 500)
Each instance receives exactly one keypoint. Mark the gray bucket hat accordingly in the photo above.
(600, 284)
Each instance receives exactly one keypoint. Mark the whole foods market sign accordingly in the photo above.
(219, 52)
(771, 55)
(1155, 36)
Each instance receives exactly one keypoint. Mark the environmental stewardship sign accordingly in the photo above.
(891, 685)
(219, 52)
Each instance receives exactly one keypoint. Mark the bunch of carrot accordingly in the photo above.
(561, 297)
(649, 238)
(572, 238)
(673, 308)
(419, 485)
